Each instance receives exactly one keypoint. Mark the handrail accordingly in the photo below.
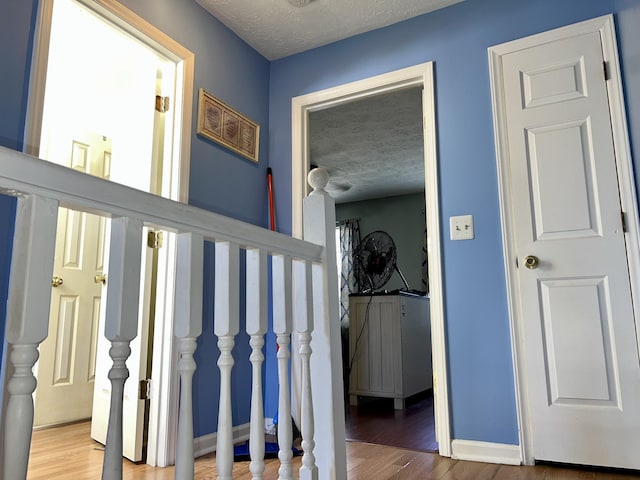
(300, 300)
(22, 174)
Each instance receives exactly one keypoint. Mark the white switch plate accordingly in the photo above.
(461, 227)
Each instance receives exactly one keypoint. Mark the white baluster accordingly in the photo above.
(187, 328)
(326, 362)
(27, 322)
(282, 307)
(256, 327)
(226, 327)
(303, 318)
(121, 326)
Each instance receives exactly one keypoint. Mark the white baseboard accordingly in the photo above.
(207, 443)
(486, 452)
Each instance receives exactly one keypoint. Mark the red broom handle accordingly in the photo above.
(272, 216)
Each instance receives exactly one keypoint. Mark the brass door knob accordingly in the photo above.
(56, 282)
(531, 262)
(100, 278)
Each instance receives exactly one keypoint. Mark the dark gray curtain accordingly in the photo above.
(425, 264)
(349, 240)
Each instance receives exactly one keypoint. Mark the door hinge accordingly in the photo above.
(623, 217)
(162, 104)
(605, 69)
(154, 239)
(144, 392)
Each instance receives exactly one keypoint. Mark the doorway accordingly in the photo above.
(373, 150)
(418, 76)
(111, 95)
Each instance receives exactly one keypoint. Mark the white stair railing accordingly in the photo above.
(121, 326)
(256, 327)
(27, 322)
(282, 321)
(226, 321)
(303, 312)
(187, 327)
(41, 186)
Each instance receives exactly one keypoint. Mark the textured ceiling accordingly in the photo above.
(372, 148)
(277, 29)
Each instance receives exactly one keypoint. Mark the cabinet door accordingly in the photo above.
(417, 374)
(374, 345)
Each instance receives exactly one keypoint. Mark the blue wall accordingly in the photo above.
(7, 214)
(627, 23)
(456, 38)
(16, 31)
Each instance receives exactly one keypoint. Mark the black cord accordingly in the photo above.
(364, 325)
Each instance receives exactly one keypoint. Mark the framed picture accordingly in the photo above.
(219, 122)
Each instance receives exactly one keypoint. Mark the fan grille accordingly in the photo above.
(376, 260)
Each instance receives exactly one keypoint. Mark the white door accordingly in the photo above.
(582, 370)
(133, 405)
(67, 364)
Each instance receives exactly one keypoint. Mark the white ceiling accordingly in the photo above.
(374, 147)
(277, 29)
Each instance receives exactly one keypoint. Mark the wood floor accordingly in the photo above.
(64, 453)
(375, 420)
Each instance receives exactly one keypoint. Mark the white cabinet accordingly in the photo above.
(389, 346)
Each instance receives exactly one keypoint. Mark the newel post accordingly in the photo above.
(319, 225)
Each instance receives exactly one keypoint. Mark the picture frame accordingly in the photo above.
(222, 124)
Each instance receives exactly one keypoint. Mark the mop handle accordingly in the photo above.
(272, 217)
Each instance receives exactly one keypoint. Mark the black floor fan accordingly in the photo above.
(375, 259)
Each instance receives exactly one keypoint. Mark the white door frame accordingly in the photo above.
(417, 76)
(604, 25)
(164, 398)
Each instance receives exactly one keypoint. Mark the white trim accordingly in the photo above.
(604, 25)
(420, 76)
(163, 410)
(207, 443)
(486, 452)
(38, 79)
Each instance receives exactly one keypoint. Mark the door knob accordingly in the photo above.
(100, 278)
(56, 282)
(531, 262)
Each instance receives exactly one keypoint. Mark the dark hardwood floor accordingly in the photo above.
(374, 420)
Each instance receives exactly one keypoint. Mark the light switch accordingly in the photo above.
(461, 227)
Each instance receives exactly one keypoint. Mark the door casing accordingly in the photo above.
(417, 76)
(604, 25)
(164, 403)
